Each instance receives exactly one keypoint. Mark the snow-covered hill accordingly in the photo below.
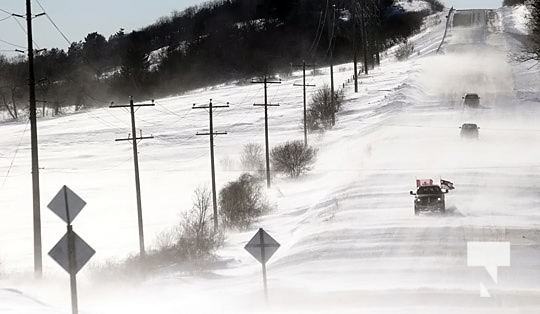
(350, 242)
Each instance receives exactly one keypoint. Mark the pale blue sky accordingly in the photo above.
(473, 4)
(77, 18)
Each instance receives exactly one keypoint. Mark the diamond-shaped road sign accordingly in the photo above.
(60, 253)
(262, 246)
(66, 204)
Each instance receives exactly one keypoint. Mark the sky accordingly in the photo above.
(473, 4)
(77, 18)
(350, 242)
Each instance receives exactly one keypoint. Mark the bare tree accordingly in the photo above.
(12, 83)
(252, 159)
(198, 236)
(321, 109)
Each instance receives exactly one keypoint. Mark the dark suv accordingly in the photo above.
(469, 130)
(471, 100)
(429, 198)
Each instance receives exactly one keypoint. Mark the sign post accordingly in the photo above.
(71, 252)
(262, 246)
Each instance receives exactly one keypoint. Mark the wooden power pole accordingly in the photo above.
(211, 133)
(364, 37)
(305, 101)
(134, 138)
(331, 47)
(266, 105)
(38, 259)
(355, 58)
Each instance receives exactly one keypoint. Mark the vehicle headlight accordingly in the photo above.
(439, 199)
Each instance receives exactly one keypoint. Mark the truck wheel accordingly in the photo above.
(416, 212)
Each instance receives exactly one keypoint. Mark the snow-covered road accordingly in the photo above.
(350, 242)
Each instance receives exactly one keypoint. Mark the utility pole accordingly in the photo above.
(305, 106)
(355, 61)
(38, 259)
(364, 37)
(211, 108)
(266, 105)
(134, 138)
(378, 32)
(332, 102)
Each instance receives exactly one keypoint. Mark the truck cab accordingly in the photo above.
(429, 198)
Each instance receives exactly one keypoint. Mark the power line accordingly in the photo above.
(318, 35)
(54, 24)
(104, 122)
(12, 44)
(78, 170)
(14, 155)
(332, 33)
(23, 29)
(90, 63)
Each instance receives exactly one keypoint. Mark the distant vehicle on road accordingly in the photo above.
(471, 100)
(469, 130)
(429, 198)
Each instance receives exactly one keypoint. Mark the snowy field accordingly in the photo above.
(350, 242)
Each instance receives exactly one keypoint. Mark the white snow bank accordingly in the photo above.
(515, 19)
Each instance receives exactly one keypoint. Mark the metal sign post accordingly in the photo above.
(262, 246)
(71, 252)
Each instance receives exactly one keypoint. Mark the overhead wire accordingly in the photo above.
(331, 42)
(69, 43)
(14, 155)
(52, 22)
(63, 170)
(10, 15)
(26, 33)
(12, 44)
(320, 31)
(103, 121)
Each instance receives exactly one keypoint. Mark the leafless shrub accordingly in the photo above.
(321, 111)
(242, 201)
(293, 158)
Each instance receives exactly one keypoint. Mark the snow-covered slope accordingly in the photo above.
(350, 242)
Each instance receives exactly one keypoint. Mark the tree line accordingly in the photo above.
(532, 46)
(206, 44)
